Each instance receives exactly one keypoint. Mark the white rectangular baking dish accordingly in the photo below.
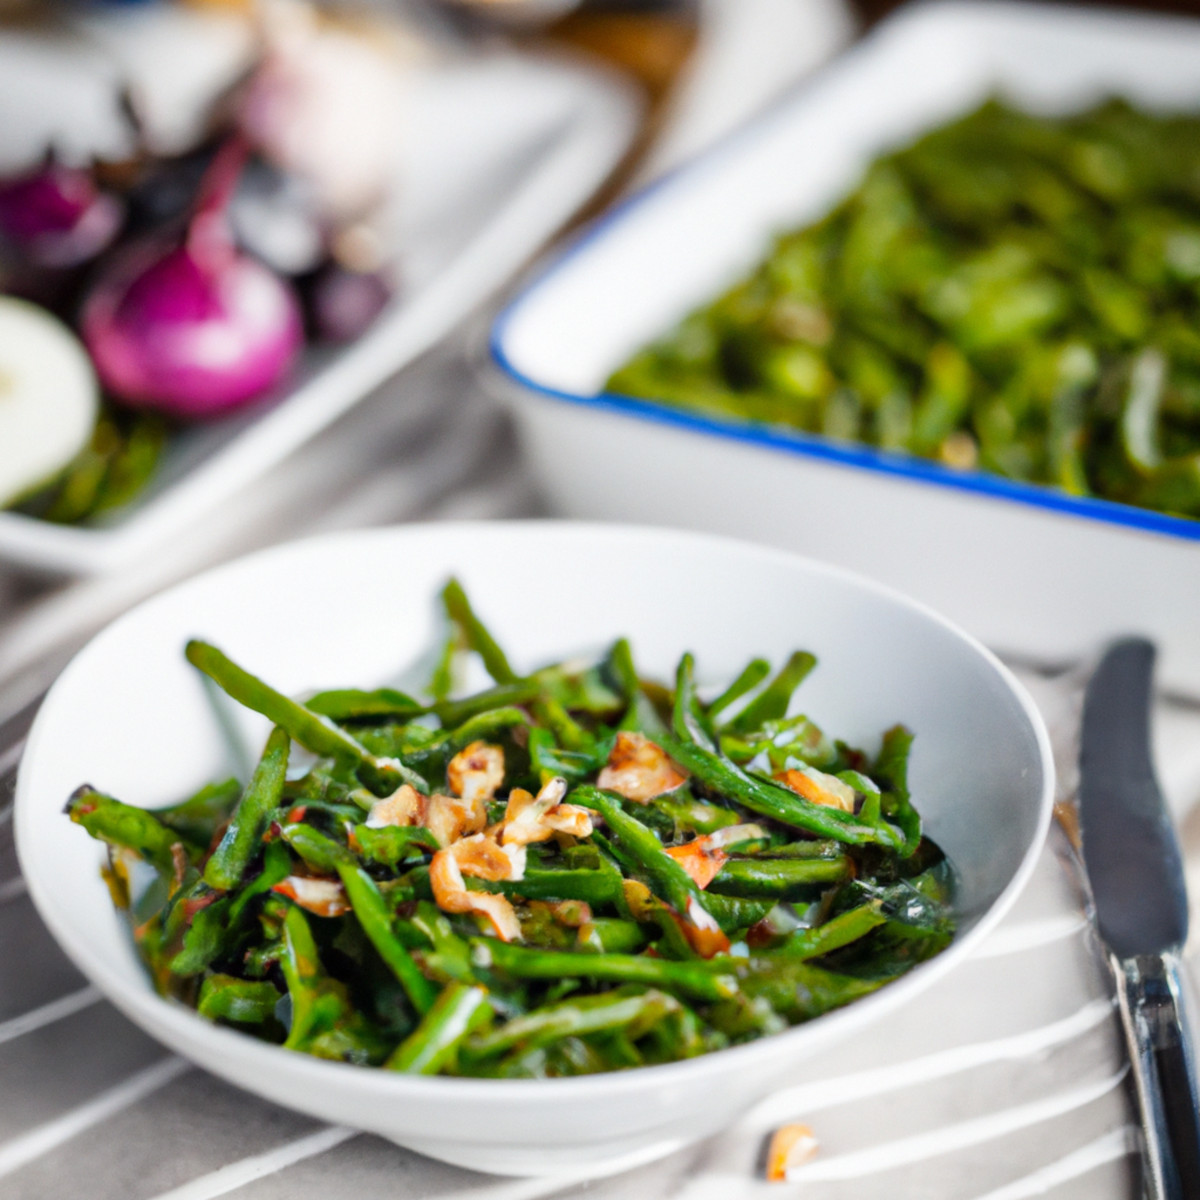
(500, 149)
(1033, 572)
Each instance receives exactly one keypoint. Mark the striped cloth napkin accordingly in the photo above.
(1006, 1081)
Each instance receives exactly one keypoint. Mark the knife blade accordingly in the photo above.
(1135, 872)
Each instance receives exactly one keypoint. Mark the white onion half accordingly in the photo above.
(49, 398)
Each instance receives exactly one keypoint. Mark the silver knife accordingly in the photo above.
(1135, 871)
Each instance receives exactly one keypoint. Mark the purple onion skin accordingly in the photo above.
(57, 217)
(191, 334)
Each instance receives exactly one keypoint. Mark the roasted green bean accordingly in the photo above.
(579, 869)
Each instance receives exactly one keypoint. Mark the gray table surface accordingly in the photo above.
(1006, 1082)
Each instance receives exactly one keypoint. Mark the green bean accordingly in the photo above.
(196, 818)
(522, 962)
(837, 932)
(574, 1018)
(772, 702)
(451, 954)
(770, 800)
(596, 887)
(1004, 295)
(796, 989)
(318, 850)
(486, 724)
(390, 845)
(457, 1011)
(249, 821)
(548, 760)
(124, 826)
(817, 848)
(640, 713)
(459, 610)
(669, 879)
(614, 938)
(611, 935)
(568, 732)
(372, 913)
(688, 718)
(244, 1001)
(778, 878)
(891, 769)
(313, 732)
(753, 673)
(351, 704)
(205, 935)
(276, 867)
(452, 713)
(319, 1004)
(735, 913)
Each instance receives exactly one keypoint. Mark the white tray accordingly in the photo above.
(1029, 570)
(498, 152)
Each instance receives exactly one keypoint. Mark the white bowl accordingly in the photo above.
(1027, 569)
(130, 716)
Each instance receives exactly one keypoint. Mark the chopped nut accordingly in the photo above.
(528, 820)
(476, 772)
(639, 769)
(450, 893)
(405, 806)
(449, 818)
(569, 819)
(479, 855)
(791, 1146)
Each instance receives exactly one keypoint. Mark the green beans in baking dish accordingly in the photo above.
(1014, 293)
(571, 871)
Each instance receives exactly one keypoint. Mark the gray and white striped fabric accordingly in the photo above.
(1005, 1082)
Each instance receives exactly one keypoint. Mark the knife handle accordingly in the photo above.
(1152, 993)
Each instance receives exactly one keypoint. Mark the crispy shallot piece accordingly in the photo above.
(703, 933)
(528, 819)
(818, 787)
(791, 1146)
(480, 856)
(639, 769)
(703, 857)
(323, 897)
(700, 859)
(476, 772)
(697, 925)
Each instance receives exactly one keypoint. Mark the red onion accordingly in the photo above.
(197, 328)
(57, 217)
(344, 303)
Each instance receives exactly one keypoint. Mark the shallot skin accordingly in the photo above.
(168, 332)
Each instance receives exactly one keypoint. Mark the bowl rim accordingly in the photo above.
(184, 1031)
(891, 463)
